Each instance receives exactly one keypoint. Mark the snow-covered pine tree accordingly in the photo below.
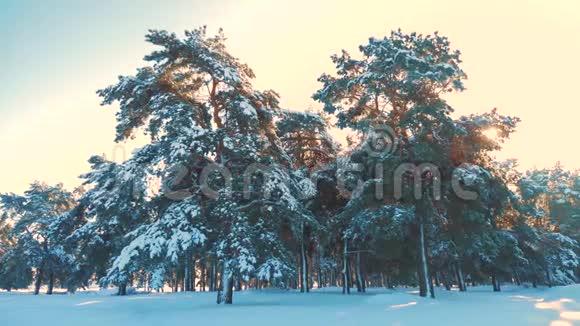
(477, 199)
(481, 241)
(381, 233)
(113, 206)
(161, 245)
(397, 83)
(305, 138)
(15, 273)
(36, 243)
(204, 118)
(326, 205)
(392, 96)
(552, 255)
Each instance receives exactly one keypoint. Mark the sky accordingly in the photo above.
(521, 57)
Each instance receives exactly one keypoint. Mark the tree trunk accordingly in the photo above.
(331, 280)
(352, 275)
(213, 277)
(460, 279)
(495, 282)
(175, 280)
(304, 286)
(50, 283)
(319, 279)
(38, 281)
(122, 289)
(423, 267)
(345, 269)
(446, 282)
(360, 282)
(226, 293)
(517, 278)
(192, 276)
(186, 275)
(202, 275)
(182, 280)
(431, 287)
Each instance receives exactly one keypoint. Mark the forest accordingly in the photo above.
(234, 192)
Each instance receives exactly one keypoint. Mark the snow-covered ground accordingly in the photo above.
(558, 306)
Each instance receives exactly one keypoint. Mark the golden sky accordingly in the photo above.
(521, 57)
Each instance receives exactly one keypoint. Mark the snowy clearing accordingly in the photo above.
(479, 306)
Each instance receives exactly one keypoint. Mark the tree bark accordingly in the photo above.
(360, 282)
(50, 283)
(496, 283)
(431, 287)
(423, 268)
(517, 278)
(226, 293)
(38, 281)
(203, 276)
(345, 269)
(175, 280)
(192, 275)
(460, 279)
(122, 289)
(446, 282)
(319, 280)
(304, 286)
(213, 277)
(186, 276)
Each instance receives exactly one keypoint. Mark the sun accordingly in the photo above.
(491, 133)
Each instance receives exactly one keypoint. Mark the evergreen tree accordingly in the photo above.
(214, 141)
(410, 148)
(14, 270)
(397, 84)
(32, 214)
(113, 206)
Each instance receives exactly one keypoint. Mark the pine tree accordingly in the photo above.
(112, 207)
(214, 144)
(410, 147)
(38, 243)
(396, 84)
(304, 136)
(14, 270)
(552, 256)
